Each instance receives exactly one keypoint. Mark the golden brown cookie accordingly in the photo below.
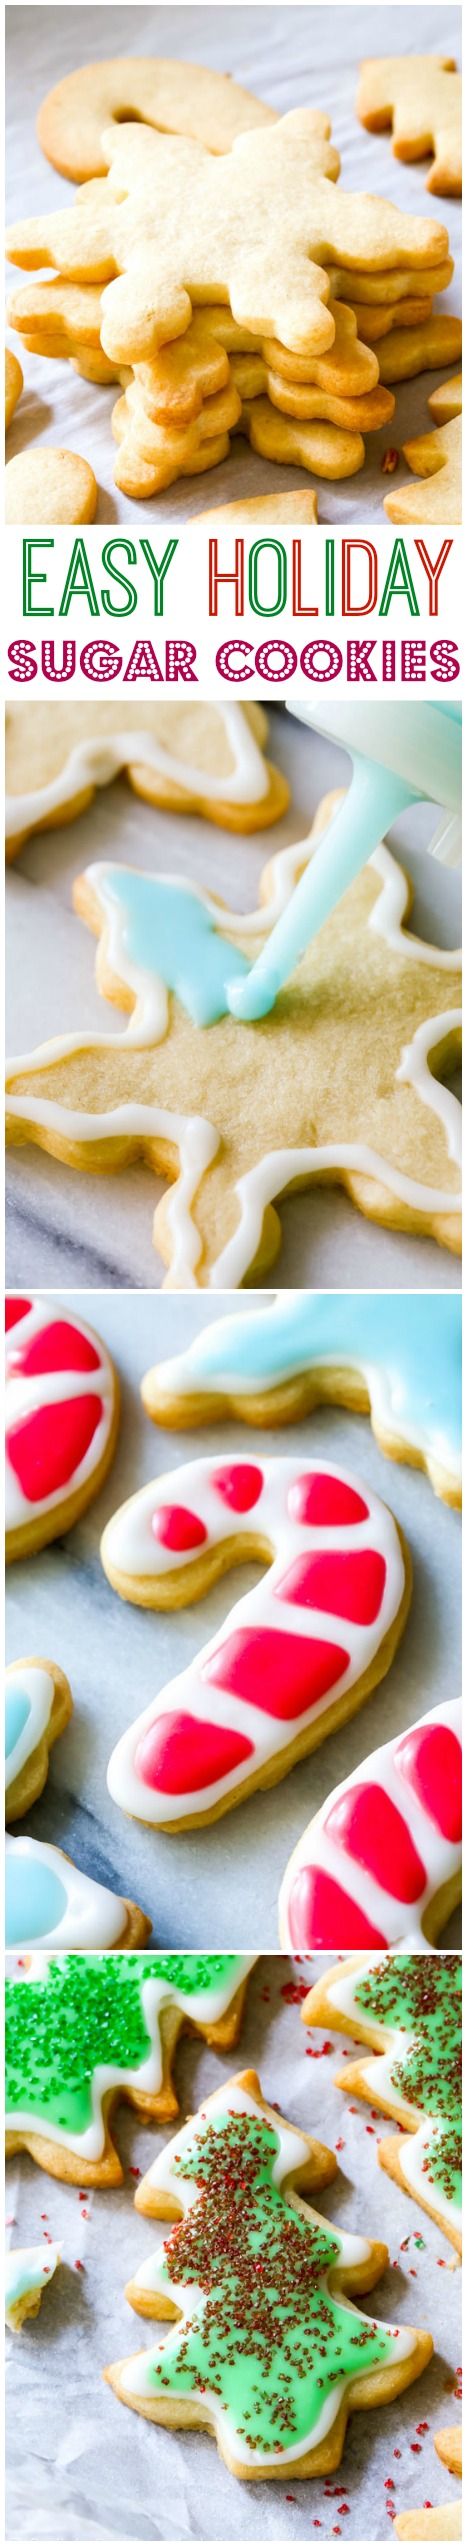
(38, 1705)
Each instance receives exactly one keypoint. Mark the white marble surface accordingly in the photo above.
(82, 2467)
(290, 56)
(219, 1883)
(66, 1227)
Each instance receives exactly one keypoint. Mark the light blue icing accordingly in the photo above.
(373, 801)
(167, 930)
(413, 1340)
(35, 1899)
(17, 1710)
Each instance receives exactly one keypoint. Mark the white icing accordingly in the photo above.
(414, 2143)
(202, 2008)
(53, 1387)
(27, 2268)
(91, 1914)
(153, 2278)
(129, 1548)
(39, 1688)
(94, 763)
(402, 1923)
(273, 1173)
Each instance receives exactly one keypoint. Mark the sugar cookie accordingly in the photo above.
(177, 97)
(62, 1405)
(410, 350)
(45, 484)
(381, 1862)
(247, 2335)
(28, 2270)
(48, 1902)
(13, 384)
(38, 1705)
(83, 2030)
(437, 458)
(418, 98)
(381, 1121)
(406, 2008)
(293, 1659)
(300, 505)
(199, 757)
(446, 401)
(394, 1355)
(445, 2520)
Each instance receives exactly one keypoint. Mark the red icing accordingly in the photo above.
(368, 1824)
(350, 1584)
(282, 1674)
(179, 1754)
(325, 1501)
(59, 1346)
(177, 1528)
(431, 1760)
(240, 1485)
(14, 1309)
(46, 1447)
(321, 1914)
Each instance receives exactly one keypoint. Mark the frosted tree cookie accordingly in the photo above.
(269, 2351)
(28, 2270)
(234, 1114)
(405, 2011)
(294, 1658)
(62, 1408)
(38, 1705)
(83, 2030)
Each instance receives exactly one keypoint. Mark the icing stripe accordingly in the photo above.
(60, 1403)
(371, 1862)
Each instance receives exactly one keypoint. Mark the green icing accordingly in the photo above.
(268, 2341)
(420, 1994)
(89, 2012)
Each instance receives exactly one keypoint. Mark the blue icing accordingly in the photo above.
(167, 930)
(415, 1341)
(35, 1899)
(17, 1710)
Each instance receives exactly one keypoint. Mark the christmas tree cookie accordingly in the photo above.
(28, 2270)
(405, 2010)
(84, 2030)
(268, 2351)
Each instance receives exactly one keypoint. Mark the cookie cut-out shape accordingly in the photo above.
(266, 2350)
(418, 97)
(28, 2270)
(437, 458)
(176, 97)
(164, 231)
(152, 457)
(83, 2030)
(62, 1410)
(445, 2520)
(38, 1705)
(394, 1355)
(169, 1090)
(381, 1862)
(48, 1902)
(293, 1658)
(446, 402)
(45, 484)
(13, 384)
(411, 350)
(301, 505)
(199, 757)
(405, 2010)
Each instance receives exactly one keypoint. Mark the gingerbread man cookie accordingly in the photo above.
(268, 2350)
(28, 2270)
(407, 2009)
(381, 1863)
(196, 758)
(48, 1902)
(381, 1121)
(38, 1705)
(162, 230)
(294, 1658)
(83, 2030)
(395, 1355)
(417, 96)
(62, 1406)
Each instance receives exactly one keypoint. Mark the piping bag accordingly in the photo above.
(400, 754)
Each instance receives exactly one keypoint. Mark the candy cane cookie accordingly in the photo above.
(38, 1705)
(48, 1902)
(62, 1406)
(84, 2030)
(197, 758)
(381, 1863)
(28, 2270)
(394, 1355)
(269, 2352)
(405, 2009)
(294, 1658)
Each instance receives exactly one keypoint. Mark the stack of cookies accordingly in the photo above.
(244, 293)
